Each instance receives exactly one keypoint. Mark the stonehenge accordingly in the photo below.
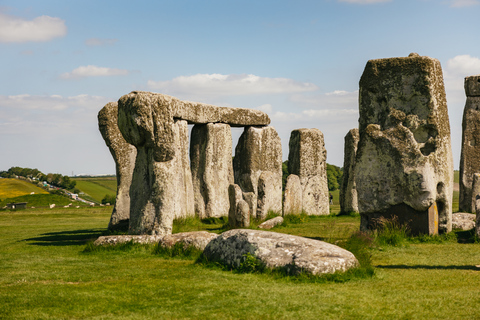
(307, 159)
(404, 164)
(348, 191)
(469, 160)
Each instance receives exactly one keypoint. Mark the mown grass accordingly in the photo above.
(45, 273)
(11, 188)
(96, 188)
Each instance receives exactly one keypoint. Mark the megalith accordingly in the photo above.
(307, 158)
(404, 164)
(239, 211)
(469, 159)
(212, 168)
(292, 202)
(259, 150)
(348, 190)
(147, 121)
(124, 155)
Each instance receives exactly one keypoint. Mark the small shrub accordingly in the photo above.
(250, 264)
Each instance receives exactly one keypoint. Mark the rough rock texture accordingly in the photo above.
(275, 250)
(463, 221)
(197, 239)
(212, 169)
(404, 164)
(271, 223)
(184, 204)
(267, 194)
(124, 155)
(477, 218)
(469, 159)
(259, 150)
(475, 190)
(251, 199)
(292, 202)
(348, 190)
(113, 240)
(307, 158)
(239, 212)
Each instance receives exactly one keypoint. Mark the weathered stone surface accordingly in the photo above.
(404, 163)
(212, 170)
(267, 194)
(197, 239)
(271, 223)
(348, 190)
(475, 191)
(296, 253)
(184, 204)
(113, 240)
(477, 218)
(239, 212)
(259, 150)
(469, 159)
(307, 158)
(463, 221)
(251, 199)
(292, 202)
(124, 155)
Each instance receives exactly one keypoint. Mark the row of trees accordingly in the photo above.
(334, 176)
(54, 179)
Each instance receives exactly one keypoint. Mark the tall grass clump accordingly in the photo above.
(295, 219)
(390, 232)
(178, 250)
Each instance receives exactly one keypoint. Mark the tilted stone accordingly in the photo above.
(348, 190)
(212, 170)
(124, 155)
(292, 202)
(259, 150)
(119, 239)
(197, 239)
(278, 250)
(404, 164)
(463, 221)
(469, 159)
(307, 158)
(271, 223)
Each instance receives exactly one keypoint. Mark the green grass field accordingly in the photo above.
(10, 188)
(45, 274)
(96, 188)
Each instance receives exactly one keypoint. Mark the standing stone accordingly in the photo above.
(124, 155)
(184, 205)
(477, 218)
(469, 159)
(475, 189)
(259, 150)
(307, 158)
(212, 171)
(348, 191)
(239, 212)
(404, 164)
(251, 199)
(292, 203)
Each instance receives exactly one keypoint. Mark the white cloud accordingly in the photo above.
(464, 65)
(463, 3)
(93, 71)
(234, 84)
(100, 42)
(43, 28)
(364, 1)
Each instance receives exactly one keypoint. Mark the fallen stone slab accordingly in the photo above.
(197, 239)
(278, 250)
(271, 223)
(463, 221)
(113, 240)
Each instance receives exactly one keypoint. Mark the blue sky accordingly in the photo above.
(300, 61)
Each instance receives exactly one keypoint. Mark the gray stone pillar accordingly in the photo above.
(348, 189)
(307, 158)
(292, 202)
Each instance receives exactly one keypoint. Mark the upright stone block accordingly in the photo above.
(348, 190)
(259, 150)
(404, 163)
(212, 170)
(124, 155)
(239, 212)
(475, 189)
(292, 203)
(469, 159)
(307, 159)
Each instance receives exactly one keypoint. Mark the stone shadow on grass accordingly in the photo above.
(66, 238)
(402, 266)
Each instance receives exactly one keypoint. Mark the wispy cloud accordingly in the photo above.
(233, 84)
(43, 28)
(364, 1)
(93, 71)
(92, 42)
(463, 3)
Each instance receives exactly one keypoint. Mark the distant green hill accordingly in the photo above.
(95, 188)
(42, 200)
(10, 188)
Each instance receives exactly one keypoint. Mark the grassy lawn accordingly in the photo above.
(44, 274)
(96, 188)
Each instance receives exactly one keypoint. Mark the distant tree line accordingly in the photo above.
(54, 179)
(334, 176)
